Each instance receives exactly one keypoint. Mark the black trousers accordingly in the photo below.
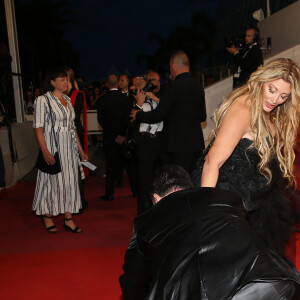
(114, 162)
(147, 149)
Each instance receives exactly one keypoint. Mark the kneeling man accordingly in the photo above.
(195, 243)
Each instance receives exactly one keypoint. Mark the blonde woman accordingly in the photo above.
(252, 146)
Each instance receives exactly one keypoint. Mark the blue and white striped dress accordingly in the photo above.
(58, 193)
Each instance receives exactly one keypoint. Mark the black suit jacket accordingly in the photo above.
(196, 244)
(248, 63)
(182, 108)
(112, 113)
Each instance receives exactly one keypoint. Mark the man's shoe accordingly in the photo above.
(107, 198)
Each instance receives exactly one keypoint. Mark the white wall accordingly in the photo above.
(283, 28)
(25, 148)
(214, 95)
(292, 53)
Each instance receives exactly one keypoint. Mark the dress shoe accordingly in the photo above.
(107, 198)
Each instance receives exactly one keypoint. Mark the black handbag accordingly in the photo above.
(41, 164)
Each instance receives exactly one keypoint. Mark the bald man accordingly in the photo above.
(112, 112)
(182, 108)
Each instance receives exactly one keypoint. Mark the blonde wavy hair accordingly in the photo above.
(285, 117)
(71, 76)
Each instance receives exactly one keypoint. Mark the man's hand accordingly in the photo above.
(133, 114)
(232, 50)
(152, 97)
(140, 97)
(120, 139)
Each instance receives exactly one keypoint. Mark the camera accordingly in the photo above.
(238, 41)
(149, 87)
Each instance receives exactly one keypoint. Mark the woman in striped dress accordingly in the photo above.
(58, 193)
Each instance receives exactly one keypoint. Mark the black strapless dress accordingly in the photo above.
(269, 209)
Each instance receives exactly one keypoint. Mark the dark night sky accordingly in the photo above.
(113, 32)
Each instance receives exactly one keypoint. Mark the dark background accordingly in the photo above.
(97, 37)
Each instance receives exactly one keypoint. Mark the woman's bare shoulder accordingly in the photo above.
(240, 109)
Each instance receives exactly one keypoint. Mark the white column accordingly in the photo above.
(268, 9)
(15, 64)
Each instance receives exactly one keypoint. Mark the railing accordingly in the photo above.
(214, 74)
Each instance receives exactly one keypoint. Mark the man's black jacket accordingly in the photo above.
(182, 109)
(112, 113)
(248, 61)
(196, 244)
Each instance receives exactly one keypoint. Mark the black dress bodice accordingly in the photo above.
(241, 175)
(269, 211)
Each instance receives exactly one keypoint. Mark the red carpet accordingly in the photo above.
(62, 274)
(38, 265)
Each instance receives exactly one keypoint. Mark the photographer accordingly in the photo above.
(247, 60)
(149, 137)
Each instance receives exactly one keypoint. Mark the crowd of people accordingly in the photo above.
(242, 178)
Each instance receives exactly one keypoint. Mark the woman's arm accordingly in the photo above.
(82, 154)
(41, 140)
(235, 124)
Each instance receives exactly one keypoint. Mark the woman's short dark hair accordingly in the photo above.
(52, 74)
(168, 178)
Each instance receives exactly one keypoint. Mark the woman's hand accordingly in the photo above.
(48, 157)
(83, 156)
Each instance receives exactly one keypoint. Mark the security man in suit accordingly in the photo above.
(112, 112)
(248, 60)
(182, 109)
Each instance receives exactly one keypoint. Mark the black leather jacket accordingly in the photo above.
(196, 244)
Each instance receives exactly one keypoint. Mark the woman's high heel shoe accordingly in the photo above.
(50, 228)
(68, 228)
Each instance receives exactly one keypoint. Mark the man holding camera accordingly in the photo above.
(182, 108)
(247, 61)
(149, 137)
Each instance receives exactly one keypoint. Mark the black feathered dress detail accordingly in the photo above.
(269, 210)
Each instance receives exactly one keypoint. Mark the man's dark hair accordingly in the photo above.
(127, 76)
(168, 178)
(52, 74)
(256, 37)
